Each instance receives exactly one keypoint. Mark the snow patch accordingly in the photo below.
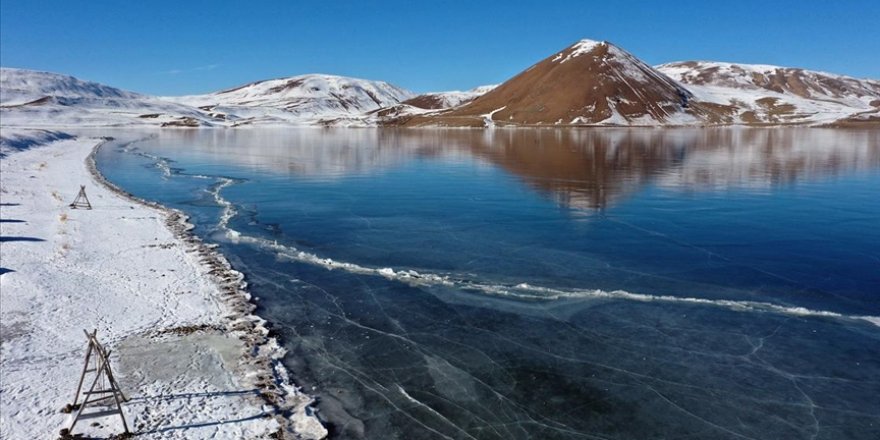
(487, 118)
(580, 48)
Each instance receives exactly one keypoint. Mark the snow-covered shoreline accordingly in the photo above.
(188, 351)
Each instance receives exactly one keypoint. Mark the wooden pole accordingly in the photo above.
(114, 387)
(89, 394)
(82, 377)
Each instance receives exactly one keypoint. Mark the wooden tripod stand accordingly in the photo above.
(81, 200)
(99, 360)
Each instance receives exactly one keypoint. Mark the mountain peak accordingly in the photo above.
(587, 44)
(582, 47)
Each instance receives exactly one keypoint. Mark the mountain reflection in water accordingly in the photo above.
(579, 168)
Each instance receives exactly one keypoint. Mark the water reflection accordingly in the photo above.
(766, 158)
(584, 169)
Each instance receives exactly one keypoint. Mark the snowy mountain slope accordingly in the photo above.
(38, 99)
(21, 86)
(443, 100)
(398, 114)
(784, 80)
(756, 94)
(304, 99)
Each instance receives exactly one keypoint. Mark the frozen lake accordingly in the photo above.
(543, 283)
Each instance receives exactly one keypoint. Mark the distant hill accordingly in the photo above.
(305, 99)
(761, 94)
(42, 99)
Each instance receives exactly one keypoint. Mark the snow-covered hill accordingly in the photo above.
(42, 99)
(21, 86)
(302, 100)
(756, 94)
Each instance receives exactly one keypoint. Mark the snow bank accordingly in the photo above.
(12, 140)
(186, 351)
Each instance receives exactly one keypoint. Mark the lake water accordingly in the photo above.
(544, 283)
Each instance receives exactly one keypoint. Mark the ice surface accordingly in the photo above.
(516, 290)
(465, 283)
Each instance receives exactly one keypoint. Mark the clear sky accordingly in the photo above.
(182, 47)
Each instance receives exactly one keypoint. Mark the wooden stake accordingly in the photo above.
(85, 368)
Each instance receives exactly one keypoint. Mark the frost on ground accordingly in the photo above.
(192, 361)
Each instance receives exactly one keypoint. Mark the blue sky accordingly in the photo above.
(181, 47)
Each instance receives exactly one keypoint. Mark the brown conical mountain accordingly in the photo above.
(589, 82)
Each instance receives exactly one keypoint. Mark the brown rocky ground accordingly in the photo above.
(586, 83)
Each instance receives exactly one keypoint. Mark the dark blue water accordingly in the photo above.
(613, 284)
